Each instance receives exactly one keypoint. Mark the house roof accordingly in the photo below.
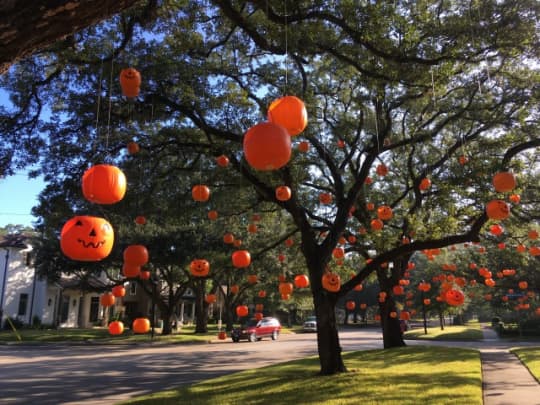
(14, 240)
(86, 283)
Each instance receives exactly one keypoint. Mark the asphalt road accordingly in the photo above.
(97, 374)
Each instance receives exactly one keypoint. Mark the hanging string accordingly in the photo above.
(99, 97)
(110, 109)
(286, 49)
(433, 89)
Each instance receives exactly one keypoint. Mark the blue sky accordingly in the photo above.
(18, 194)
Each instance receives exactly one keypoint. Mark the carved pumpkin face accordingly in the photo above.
(454, 297)
(331, 282)
(130, 81)
(87, 238)
(199, 267)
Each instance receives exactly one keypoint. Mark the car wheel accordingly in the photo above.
(235, 339)
(252, 337)
(275, 335)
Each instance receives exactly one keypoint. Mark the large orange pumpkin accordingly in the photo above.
(301, 281)
(130, 270)
(200, 193)
(141, 325)
(384, 212)
(532, 234)
(118, 291)
(136, 255)
(285, 288)
(267, 146)
(289, 112)
(376, 224)
(497, 209)
(504, 182)
(283, 193)
(242, 310)
(106, 299)
(454, 297)
(241, 258)
(331, 282)
(116, 328)
(130, 81)
(104, 184)
(228, 238)
(87, 238)
(199, 267)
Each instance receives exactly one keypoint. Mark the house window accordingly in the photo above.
(23, 303)
(132, 288)
(94, 309)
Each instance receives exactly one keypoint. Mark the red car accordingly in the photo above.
(255, 330)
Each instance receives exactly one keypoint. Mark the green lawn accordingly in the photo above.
(530, 356)
(408, 375)
(454, 332)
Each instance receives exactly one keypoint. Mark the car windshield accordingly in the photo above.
(311, 319)
(251, 322)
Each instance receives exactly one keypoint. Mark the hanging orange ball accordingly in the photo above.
(331, 282)
(242, 310)
(116, 328)
(136, 255)
(303, 146)
(222, 161)
(212, 215)
(267, 146)
(106, 299)
(350, 305)
(497, 209)
(381, 169)
(425, 183)
(200, 193)
(141, 325)
(376, 224)
(325, 198)
(104, 184)
(199, 267)
(144, 275)
(384, 212)
(301, 281)
(130, 271)
(504, 182)
(130, 82)
(289, 112)
(241, 258)
(118, 291)
(140, 220)
(283, 193)
(133, 148)
(454, 297)
(228, 238)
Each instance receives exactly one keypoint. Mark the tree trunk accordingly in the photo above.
(327, 333)
(441, 319)
(166, 315)
(201, 307)
(391, 326)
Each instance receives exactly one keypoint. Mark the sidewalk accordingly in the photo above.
(506, 381)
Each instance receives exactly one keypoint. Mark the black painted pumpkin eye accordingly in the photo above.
(78, 223)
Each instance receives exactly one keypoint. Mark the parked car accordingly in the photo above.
(256, 330)
(310, 325)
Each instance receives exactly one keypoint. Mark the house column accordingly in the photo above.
(84, 322)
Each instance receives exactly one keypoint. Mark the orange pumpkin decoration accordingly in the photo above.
(133, 148)
(325, 198)
(228, 238)
(222, 161)
(242, 310)
(252, 278)
(398, 290)
(87, 238)
(338, 253)
(136, 255)
(454, 297)
(521, 248)
(241, 258)
(258, 315)
(376, 224)
(363, 305)
(463, 160)
(301, 281)
(331, 282)
(515, 198)
(289, 112)
(283, 193)
(289, 242)
(393, 314)
(281, 257)
(532, 234)
(496, 229)
(200, 193)
(504, 182)
(523, 285)
(368, 181)
(285, 288)
(259, 307)
(252, 228)
(104, 184)
(140, 220)
(141, 325)
(261, 293)
(384, 212)
(130, 82)
(210, 298)
(381, 169)
(405, 315)
(222, 335)
(199, 267)
(351, 239)
(212, 215)
(427, 301)
(425, 183)
(285, 297)
(106, 299)
(118, 291)
(130, 270)
(370, 206)
(235, 289)
(116, 328)
(350, 305)
(267, 146)
(144, 275)
(497, 209)
(303, 146)
(534, 251)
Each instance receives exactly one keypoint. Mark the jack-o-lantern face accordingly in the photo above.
(454, 297)
(331, 282)
(199, 268)
(87, 238)
(130, 81)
